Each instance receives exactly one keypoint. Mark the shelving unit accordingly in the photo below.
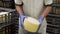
(10, 27)
(53, 19)
(7, 4)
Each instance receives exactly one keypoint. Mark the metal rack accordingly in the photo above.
(53, 25)
(7, 4)
(53, 19)
(8, 26)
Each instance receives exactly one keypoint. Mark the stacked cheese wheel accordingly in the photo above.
(3, 16)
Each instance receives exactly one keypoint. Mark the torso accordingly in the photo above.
(33, 8)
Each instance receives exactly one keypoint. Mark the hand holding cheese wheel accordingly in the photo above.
(31, 24)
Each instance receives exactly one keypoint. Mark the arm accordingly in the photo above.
(18, 4)
(47, 3)
(46, 11)
(19, 9)
(48, 8)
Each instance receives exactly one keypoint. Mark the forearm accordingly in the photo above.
(46, 11)
(19, 9)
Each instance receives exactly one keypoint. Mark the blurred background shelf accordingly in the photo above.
(56, 5)
(9, 21)
(7, 4)
(53, 19)
(5, 25)
(7, 9)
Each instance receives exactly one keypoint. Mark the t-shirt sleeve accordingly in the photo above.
(48, 2)
(18, 2)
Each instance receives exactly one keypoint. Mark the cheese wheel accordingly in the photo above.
(2, 16)
(31, 24)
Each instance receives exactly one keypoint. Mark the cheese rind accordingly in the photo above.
(31, 24)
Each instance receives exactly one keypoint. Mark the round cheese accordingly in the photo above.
(3, 17)
(31, 24)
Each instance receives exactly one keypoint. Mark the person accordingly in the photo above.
(35, 9)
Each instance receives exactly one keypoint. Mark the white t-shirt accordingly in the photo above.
(34, 8)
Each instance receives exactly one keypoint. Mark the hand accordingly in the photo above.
(41, 19)
(22, 20)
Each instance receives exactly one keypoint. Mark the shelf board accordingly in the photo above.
(54, 15)
(55, 5)
(5, 24)
(56, 26)
(7, 9)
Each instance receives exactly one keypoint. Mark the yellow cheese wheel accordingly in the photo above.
(2, 16)
(31, 24)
